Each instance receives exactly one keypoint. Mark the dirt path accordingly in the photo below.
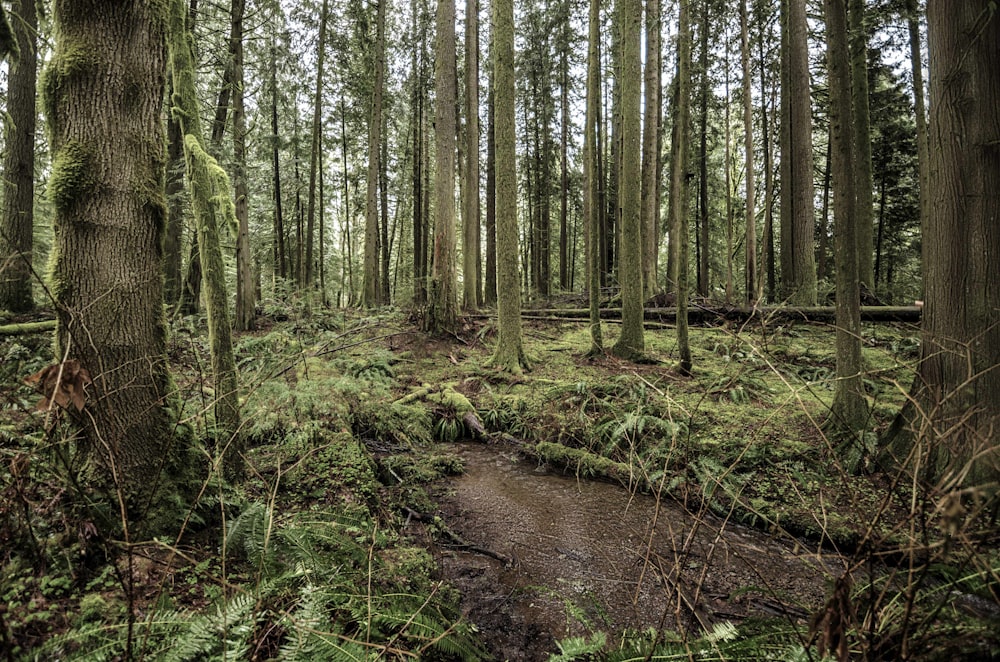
(587, 555)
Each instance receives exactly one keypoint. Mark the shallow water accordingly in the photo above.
(587, 555)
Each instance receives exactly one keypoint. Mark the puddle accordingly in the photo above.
(586, 555)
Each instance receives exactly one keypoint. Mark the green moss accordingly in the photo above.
(73, 169)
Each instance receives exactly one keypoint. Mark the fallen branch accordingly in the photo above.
(27, 327)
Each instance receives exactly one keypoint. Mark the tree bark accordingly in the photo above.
(490, 296)
(470, 202)
(279, 250)
(443, 310)
(371, 289)
(17, 223)
(849, 411)
(631, 343)
(107, 188)
(862, 165)
(750, 221)
(309, 267)
(678, 186)
(798, 263)
(651, 150)
(948, 432)
(509, 354)
(245, 291)
(591, 176)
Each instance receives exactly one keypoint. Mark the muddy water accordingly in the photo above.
(583, 555)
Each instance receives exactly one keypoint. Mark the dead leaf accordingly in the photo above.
(63, 384)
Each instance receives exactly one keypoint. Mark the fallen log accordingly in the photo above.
(27, 327)
(768, 314)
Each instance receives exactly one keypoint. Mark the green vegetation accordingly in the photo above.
(310, 557)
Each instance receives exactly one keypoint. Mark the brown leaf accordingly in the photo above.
(63, 384)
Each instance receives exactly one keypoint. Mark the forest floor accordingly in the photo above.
(405, 499)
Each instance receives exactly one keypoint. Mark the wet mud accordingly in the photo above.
(567, 557)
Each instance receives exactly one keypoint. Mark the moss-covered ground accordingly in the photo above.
(344, 418)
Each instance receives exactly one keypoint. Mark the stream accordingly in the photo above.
(580, 555)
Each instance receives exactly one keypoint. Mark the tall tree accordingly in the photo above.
(308, 266)
(280, 253)
(490, 295)
(470, 201)
(372, 291)
(17, 223)
(245, 290)
(210, 199)
(107, 188)
(173, 239)
(848, 413)
(443, 309)
(678, 185)
(798, 262)
(420, 222)
(631, 342)
(920, 111)
(650, 204)
(509, 353)
(591, 176)
(750, 223)
(861, 130)
(948, 430)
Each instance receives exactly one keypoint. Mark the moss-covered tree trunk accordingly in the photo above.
(949, 431)
(509, 354)
(245, 286)
(308, 267)
(591, 177)
(173, 240)
(631, 343)
(210, 198)
(490, 279)
(443, 309)
(103, 93)
(750, 222)
(17, 223)
(848, 414)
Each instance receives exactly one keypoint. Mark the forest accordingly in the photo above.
(558, 330)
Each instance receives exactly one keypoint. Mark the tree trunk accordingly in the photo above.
(509, 354)
(490, 297)
(17, 223)
(210, 197)
(371, 289)
(862, 164)
(470, 206)
(107, 188)
(245, 302)
(651, 150)
(948, 432)
(280, 253)
(750, 222)
(678, 185)
(443, 310)
(798, 263)
(920, 111)
(564, 252)
(173, 239)
(631, 341)
(309, 268)
(419, 222)
(849, 411)
(703, 234)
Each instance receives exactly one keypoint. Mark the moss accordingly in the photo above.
(584, 463)
(72, 175)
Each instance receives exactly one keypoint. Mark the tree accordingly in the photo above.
(591, 176)
(210, 199)
(245, 291)
(650, 205)
(443, 310)
(371, 292)
(470, 202)
(107, 188)
(678, 186)
(631, 341)
(17, 222)
(947, 432)
(848, 413)
(308, 266)
(798, 263)
(862, 165)
(750, 224)
(509, 353)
